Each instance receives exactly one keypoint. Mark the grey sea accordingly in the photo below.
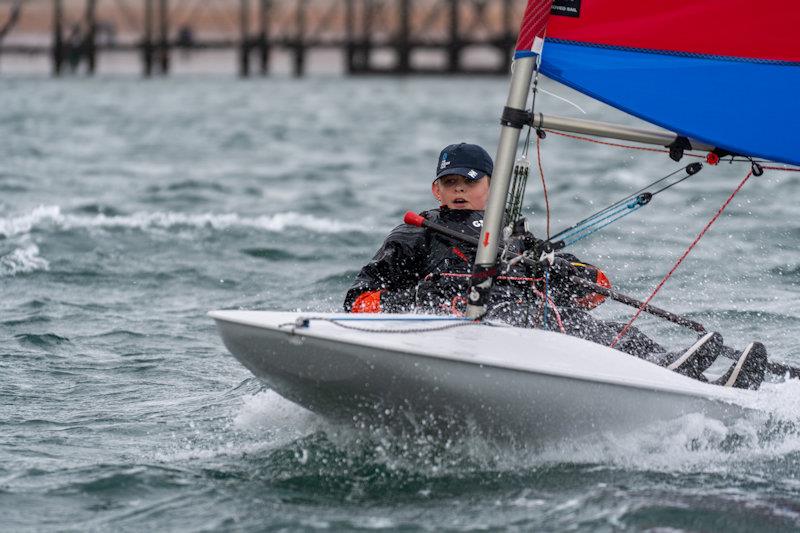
(129, 209)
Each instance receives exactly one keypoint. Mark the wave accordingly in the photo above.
(98, 209)
(22, 261)
(35, 319)
(262, 423)
(43, 216)
(43, 340)
(23, 224)
(787, 271)
(190, 185)
(753, 444)
(277, 254)
(300, 444)
(267, 410)
(345, 277)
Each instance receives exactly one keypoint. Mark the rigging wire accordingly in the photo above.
(539, 136)
(784, 169)
(623, 207)
(519, 180)
(625, 329)
(733, 159)
(634, 202)
(689, 173)
(521, 170)
(631, 203)
(618, 145)
(544, 183)
(570, 102)
(580, 233)
(630, 197)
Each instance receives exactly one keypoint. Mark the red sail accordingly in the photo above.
(734, 28)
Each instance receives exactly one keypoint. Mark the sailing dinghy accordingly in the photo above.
(544, 385)
(415, 369)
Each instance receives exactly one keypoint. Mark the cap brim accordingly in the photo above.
(461, 171)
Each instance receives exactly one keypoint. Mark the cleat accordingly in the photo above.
(748, 371)
(700, 355)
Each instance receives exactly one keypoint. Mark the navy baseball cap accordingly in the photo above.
(468, 160)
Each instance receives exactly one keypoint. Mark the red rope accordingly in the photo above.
(605, 143)
(680, 260)
(457, 299)
(544, 184)
(691, 246)
(546, 300)
(642, 148)
(785, 169)
(552, 305)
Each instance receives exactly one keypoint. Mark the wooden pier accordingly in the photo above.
(365, 32)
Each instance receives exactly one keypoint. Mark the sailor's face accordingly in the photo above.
(457, 192)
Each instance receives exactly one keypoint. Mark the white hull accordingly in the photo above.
(538, 384)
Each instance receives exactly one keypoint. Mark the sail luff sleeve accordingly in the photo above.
(534, 22)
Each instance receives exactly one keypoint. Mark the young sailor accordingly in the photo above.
(420, 270)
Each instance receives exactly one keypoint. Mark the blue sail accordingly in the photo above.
(739, 92)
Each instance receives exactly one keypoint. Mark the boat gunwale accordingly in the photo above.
(726, 395)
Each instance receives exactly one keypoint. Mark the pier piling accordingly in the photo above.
(163, 44)
(58, 37)
(147, 39)
(89, 44)
(455, 45)
(349, 35)
(299, 62)
(244, 44)
(365, 49)
(263, 36)
(403, 35)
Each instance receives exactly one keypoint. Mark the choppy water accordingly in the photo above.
(130, 209)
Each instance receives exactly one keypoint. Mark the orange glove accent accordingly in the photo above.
(592, 300)
(367, 302)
